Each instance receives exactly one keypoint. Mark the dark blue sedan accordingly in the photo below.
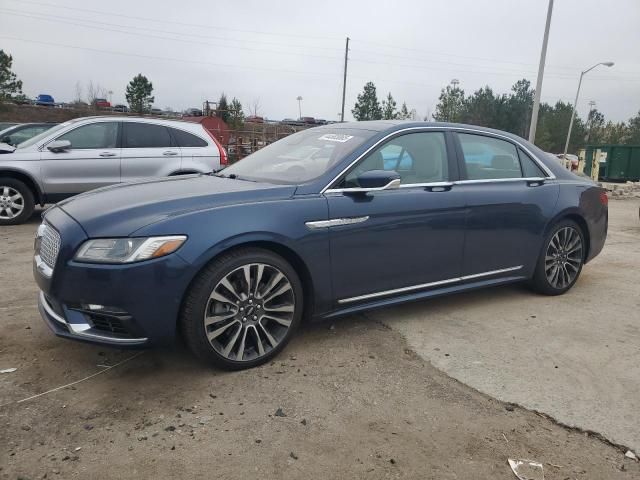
(326, 222)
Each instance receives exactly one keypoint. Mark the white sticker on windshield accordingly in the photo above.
(335, 137)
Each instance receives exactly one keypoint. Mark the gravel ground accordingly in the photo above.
(344, 400)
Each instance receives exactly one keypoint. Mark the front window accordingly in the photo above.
(299, 158)
(417, 157)
(93, 136)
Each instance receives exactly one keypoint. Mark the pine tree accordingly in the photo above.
(223, 109)
(138, 94)
(9, 83)
(389, 111)
(450, 104)
(367, 106)
(404, 113)
(236, 115)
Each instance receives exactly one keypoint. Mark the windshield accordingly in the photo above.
(300, 157)
(43, 135)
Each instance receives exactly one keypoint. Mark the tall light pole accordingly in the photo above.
(299, 98)
(543, 55)
(344, 80)
(575, 103)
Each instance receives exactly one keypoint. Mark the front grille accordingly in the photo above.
(49, 245)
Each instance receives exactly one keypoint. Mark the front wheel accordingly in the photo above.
(561, 261)
(242, 309)
(16, 201)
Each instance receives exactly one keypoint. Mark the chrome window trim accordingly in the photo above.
(427, 285)
(538, 162)
(449, 184)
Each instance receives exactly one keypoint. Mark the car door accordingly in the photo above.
(197, 155)
(399, 240)
(509, 200)
(93, 160)
(148, 150)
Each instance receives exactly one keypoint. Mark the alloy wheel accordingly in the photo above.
(249, 312)
(563, 258)
(11, 202)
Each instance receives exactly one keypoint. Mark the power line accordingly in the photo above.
(169, 38)
(152, 57)
(172, 22)
(467, 57)
(164, 31)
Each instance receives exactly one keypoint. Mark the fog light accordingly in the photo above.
(94, 307)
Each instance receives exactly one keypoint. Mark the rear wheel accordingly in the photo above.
(242, 309)
(16, 201)
(561, 261)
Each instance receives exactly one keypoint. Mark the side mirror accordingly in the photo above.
(379, 180)
(6, 140)
(58, 146)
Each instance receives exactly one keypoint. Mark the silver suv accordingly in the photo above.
(92, 152)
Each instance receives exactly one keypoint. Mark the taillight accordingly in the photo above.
(223, 153)
(604, 199)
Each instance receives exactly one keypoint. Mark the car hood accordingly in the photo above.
(120, 210)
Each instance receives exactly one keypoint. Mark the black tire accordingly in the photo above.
(197, 303)
(541, 282)
(27, 201)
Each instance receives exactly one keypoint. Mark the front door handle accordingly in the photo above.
(108, 154)
(169, 153)
(439, 187)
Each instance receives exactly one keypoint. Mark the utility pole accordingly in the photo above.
(344, 81)
(543, 55)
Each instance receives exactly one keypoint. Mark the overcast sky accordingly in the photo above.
(274, 51)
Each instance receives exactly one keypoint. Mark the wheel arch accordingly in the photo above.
(577, 217)
(280, 249)
(27, 179)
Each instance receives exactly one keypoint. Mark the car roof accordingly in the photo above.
(129, 118)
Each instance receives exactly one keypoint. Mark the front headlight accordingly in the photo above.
(127, 250)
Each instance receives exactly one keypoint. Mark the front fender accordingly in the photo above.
(280, 222)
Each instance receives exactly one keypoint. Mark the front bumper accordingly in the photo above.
(77, 327)
(129, 305)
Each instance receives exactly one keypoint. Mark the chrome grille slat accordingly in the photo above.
(49, 245)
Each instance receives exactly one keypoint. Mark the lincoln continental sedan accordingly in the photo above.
(326, 222)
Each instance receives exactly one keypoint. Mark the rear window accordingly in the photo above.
(185, 139)
(145, 135)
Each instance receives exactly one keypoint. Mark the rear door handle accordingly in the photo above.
(170, 153)
(108, 154)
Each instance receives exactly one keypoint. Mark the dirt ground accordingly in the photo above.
(347, 399)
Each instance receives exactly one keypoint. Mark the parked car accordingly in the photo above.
(45, 100)
(5, 125)
(102, 103)
(19, 133)
(236, 260)
(91, 152)
(254, 119)
(193, 112)
(292, 122)
(308, 120)
(121, 108)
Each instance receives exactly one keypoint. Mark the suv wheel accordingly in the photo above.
(242, 309)
(561, 261)
(16, 201)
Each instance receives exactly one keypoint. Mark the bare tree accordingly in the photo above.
(255, 106)
(95, 91)
(78, 97)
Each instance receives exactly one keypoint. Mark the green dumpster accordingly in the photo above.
(617, 162)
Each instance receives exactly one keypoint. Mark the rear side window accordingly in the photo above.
(185, 139)
(93, 136)
(487, 158)
(145, 135)
(530, 168)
